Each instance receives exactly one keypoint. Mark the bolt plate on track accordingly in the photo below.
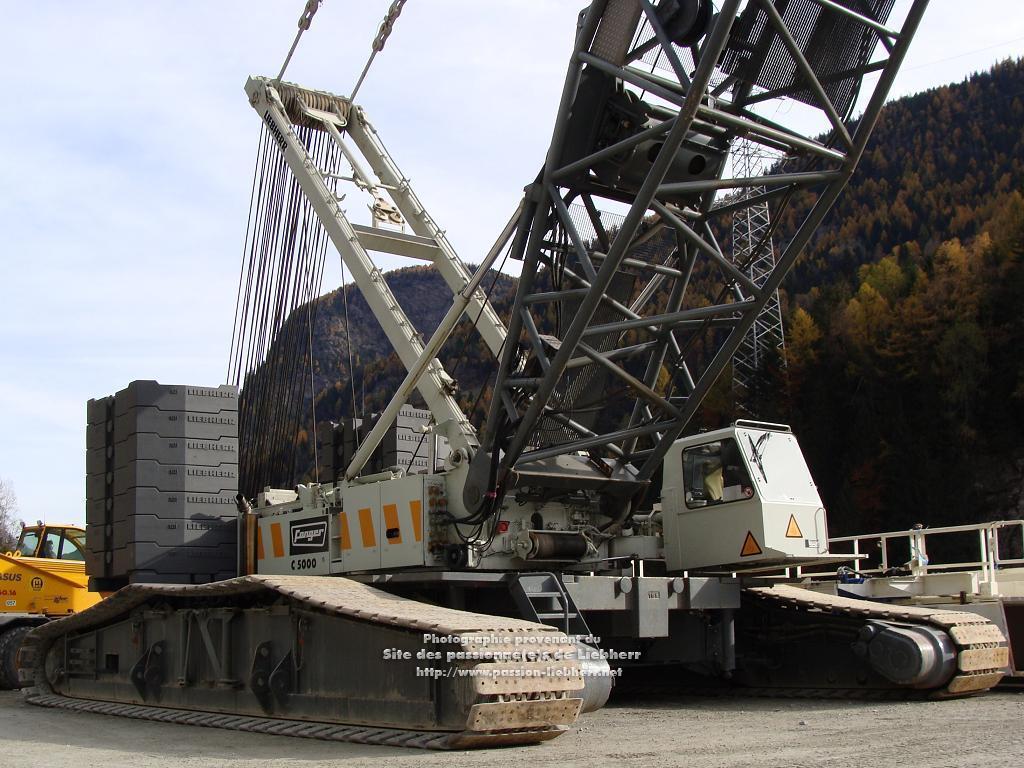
(969, 634)
(975, 659)
(526, 677)
(963, 684)
(499, 715)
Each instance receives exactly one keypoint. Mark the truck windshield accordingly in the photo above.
(777, 466)
(29, 542)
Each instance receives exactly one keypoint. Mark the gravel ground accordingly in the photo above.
(984, 731)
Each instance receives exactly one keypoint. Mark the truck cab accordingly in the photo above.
(52, 542)
(41, 579)
(739, 499)
(45, 574)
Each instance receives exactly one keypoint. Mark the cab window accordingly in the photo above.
(61, 544)
(714, 473)
(51, 544)
(29, 542)
(73, 546)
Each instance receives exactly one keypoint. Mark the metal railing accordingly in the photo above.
(914, 542)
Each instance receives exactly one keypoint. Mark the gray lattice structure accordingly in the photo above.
(754, 252)
(614, 346)
(621, 323)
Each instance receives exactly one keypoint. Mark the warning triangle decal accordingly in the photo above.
(750, 546)
(793, 530)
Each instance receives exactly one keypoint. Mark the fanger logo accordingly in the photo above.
(308, 536)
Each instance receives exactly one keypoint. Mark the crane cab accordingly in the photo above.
(741, 498)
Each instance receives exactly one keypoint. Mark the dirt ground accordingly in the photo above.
(985, 731)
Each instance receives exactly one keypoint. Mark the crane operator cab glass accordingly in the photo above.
(715, 474)
(741, 498)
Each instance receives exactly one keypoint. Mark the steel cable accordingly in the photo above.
(271, 354)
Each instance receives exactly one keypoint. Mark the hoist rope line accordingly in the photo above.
(271, 355)
(304, 21)
(378, 42)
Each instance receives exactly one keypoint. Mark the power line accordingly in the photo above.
(961, 55)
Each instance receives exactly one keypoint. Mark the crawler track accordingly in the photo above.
(304, 656)
(981, 651)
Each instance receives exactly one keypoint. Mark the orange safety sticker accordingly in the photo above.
(392, 531)
(259, 542)
(366, 527)
(793, 529)
(276, 540)
(416, 508)
(346, 539)
(750, 546)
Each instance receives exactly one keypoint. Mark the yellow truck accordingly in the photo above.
(43, 578)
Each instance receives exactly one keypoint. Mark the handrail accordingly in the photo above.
(990, 559)
(942, 529)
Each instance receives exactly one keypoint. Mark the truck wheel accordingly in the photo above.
(10, 642)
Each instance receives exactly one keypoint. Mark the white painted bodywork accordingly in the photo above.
(782, 492)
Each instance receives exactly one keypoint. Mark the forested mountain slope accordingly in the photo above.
(935, 168)
(905, 336)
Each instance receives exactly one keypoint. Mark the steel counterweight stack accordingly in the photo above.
(408, 445)
(161, 480)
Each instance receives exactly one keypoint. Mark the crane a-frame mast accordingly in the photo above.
(281, 105)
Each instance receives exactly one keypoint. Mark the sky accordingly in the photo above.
(129, 153)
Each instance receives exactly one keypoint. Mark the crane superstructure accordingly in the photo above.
(547, 529)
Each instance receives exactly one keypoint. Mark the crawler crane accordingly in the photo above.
(547, 529)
